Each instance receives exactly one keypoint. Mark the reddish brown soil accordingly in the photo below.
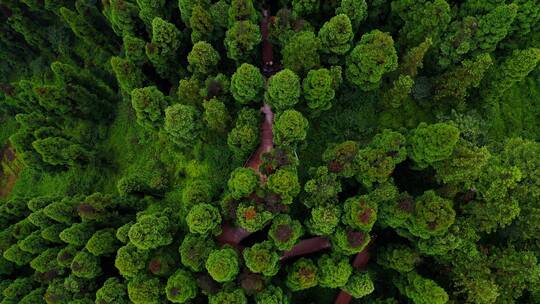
(232, 235)
(307, 246)
(267, 143)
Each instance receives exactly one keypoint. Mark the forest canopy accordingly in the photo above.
(269, 152)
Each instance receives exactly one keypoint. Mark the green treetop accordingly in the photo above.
(302, 274)
(196, 191)
(86, 265)
(59, 151)
(413, 60)
(123, 17)
(305, 7)
(520, 269)
(202, 25)
(235, 296)
(241, 40)
(102, 242)
(496, 206)
(216, 115)
(290, 127)
(271, 295)
(242, 10)
(65, 255)
(285, 232)
(78, 234)
(397, 95)
(151, 231)
(377, 162)
(186, 9)
(203, 58)
(52, 233)
(149, 104)
(283, 90)
(340, 158)
(99, 207)
(432, 143)
(300, 53)
(123, 231)
(46, 261)
(128, 75)
(112, 291)
(333, 270)
(262, 258)
(143, 289)
(324, 219)
(318, 89)
(252, 216)
(421, 290)
(349, 242)
(512, 70)
(244, 137)
(203, 219)
(464, 166)
(247, 84)
(284, 182)
(83, 29)
(149, 9)
(33, 243)
(398, 257)
(243, 181)
(189, 91)
(373, 57)
(17, 289)
(223, 264)
(183, 125)
(432, 215)
(181, 287)
(194, 251)
(35, 296)
(336, 35)
(360, 212)
(130, 260)
(494, 26)
(322, 188)
(163, 49)
(425, 18)
(356, 10)
(458, 81)
(395, 210)
(359, 285)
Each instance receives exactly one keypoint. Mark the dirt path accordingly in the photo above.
(269, 68)
(267, 143)
(235, 235)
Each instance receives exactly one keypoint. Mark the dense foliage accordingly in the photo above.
(292, 151)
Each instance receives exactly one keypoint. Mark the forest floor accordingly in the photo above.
(8, 178)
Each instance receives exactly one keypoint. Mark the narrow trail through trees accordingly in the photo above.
(234, 235)
(269, 68)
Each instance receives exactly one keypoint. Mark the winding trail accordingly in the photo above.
(234, 235)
